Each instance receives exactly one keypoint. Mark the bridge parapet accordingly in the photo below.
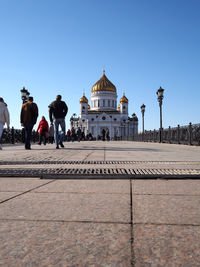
(188, 135)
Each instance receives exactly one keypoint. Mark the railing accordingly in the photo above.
(188, 135)
(14, 136)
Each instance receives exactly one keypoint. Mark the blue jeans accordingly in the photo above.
(1, 129)
(59, 136)
(28, 127)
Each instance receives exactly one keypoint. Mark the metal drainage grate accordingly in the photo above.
(44, 162)
(104, 172)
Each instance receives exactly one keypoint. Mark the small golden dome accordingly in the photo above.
(83, 99)
(103, 85)
(88, 106)
(119, 107)
(124, 99)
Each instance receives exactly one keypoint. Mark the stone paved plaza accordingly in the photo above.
(100, 221)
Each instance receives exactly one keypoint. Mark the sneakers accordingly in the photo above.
(61, 144)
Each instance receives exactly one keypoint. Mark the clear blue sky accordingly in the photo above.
(61, 46)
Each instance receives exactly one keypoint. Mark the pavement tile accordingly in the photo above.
(170, 187)
(119, 150)
(68, 206)
(19, 184)
(166, 245)
(87, 186)
(166, 209)
(7, 195)
(64, 244)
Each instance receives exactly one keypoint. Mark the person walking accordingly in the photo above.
(43, 129)
(51, 134)
(73, 134)
(107, 135)
(4, 117)
(103, 134)
(68, 135)
(79, 134)
(57, 112)
(28, 119)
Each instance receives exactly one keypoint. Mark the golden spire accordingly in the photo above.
(124, 99)
(103, 84)
(84, 99)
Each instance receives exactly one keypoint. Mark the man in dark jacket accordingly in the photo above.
(28, 118)
(57, 112)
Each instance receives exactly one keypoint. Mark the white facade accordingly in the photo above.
(104, 114)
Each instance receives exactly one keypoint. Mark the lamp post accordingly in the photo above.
(128, 128)
(135, 124)
(143, 110)
(24, 94)
(124, 124)
(160, 98)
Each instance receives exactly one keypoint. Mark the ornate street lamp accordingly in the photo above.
(143, 110)
(24, 94)
(27, 94)
(160, 98)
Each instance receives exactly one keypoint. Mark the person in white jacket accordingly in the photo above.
(4, 117)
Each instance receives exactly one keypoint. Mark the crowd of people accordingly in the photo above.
(47, 133)
(78, 135)
(57, 113)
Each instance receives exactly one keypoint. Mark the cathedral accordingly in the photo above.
(103, 115)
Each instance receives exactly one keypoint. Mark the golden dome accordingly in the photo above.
(124, 99)
(103, 85)
(119, 107)
(88, 106)
(83, 99)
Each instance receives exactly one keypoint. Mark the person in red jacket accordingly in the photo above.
(43, 129)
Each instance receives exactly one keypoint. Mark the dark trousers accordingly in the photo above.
(51, 139)
(42, 137)
(28, 127)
